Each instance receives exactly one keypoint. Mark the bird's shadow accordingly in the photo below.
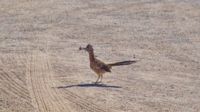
(89, 85)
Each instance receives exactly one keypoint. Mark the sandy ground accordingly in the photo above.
(41, 69)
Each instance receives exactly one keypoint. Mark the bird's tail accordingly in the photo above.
(122, 63)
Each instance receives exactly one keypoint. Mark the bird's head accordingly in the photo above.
(88, 48)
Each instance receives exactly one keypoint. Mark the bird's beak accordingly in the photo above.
(82, 48)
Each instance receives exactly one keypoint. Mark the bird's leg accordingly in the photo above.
(97, 79)
(101, 78)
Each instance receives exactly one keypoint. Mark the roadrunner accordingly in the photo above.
(100, 67)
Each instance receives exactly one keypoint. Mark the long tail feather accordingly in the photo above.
(122, 63)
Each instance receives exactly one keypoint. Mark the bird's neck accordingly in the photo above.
(91, 56)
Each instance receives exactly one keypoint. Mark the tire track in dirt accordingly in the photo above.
(35, 94)
(83, 104)
(12, 85)
(5, 75)
(16, 94)
(51, 81)
(45, 98)
(40, 81)
(13, 89)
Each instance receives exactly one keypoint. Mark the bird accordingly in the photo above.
(98, 66)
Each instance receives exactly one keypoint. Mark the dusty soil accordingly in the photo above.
(41, 69)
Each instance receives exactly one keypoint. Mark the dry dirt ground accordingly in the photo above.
(41, 69)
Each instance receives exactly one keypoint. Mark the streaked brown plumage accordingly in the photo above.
(100, 67)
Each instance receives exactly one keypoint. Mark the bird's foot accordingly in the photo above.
(97, 82)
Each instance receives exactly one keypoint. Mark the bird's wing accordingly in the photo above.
(103, 66)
